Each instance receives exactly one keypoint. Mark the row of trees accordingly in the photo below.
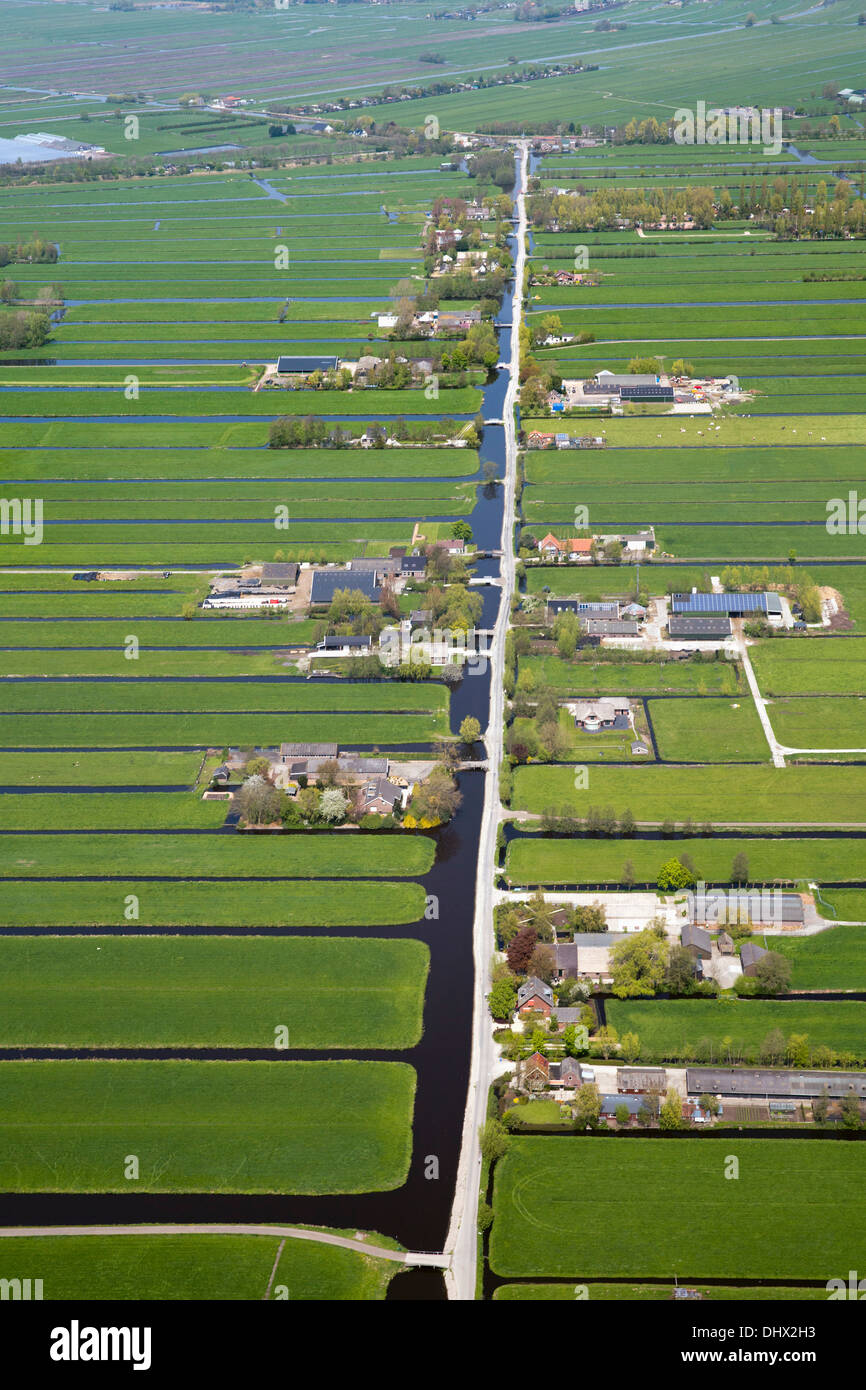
(606, 208)
(36, 250)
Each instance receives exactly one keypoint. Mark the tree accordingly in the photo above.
(258, 801)
(773, 973)
(470, 730)
(587, 1105)
(797, 1050)
(520, 949)
(606, 1038)
(627, 877)
(502, 999)
(623, 1115)
(773, 1047)
(680, 974)
(630, 1043)
(821, 1107)
(333, 805)
(673, 876)
(851, 1112)
(627, 824)
(671, 1112)
(437, 799)
(740, 869)
(638, 963)
(709, 1103)
(494, 1140)
(542, 962)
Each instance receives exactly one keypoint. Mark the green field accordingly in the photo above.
(602, 677)
(180, 903)
(733, 1029)
(252, 854)
(708, 731)
(208, 992)
(749, 795)
(142, 1267)
(296, 1127)
(834, 959)
(649, 1293)
(829, 667)
(570, 1208)
(591, 861)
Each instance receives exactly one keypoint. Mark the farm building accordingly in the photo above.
(750, 954)
(758, 1083)
(718, 907)
(696, 940)
(637, 386)
(611, 627)
(733, 605)
(636, 1081)
(301, 366)
(566, 1072)
(709, 627)
(326, 583)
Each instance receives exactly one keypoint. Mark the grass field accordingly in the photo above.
(734, 1028)
(178, 903)
(708, 731)
(302, 1127)
(829, 667)
(217, 992)
(835, 959)
(214, 1267)
(749, 795)
(251, 854)
(650, 1293)
(570, 1207)
(591, 861)
(602, 677)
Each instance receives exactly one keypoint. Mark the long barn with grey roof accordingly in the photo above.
(757, 1083)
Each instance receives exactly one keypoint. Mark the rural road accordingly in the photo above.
(462, 1241)
(404, 1257)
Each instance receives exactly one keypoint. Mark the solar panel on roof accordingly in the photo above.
(719, 603)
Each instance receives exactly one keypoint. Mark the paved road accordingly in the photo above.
(461, 1244)
(403, 1257)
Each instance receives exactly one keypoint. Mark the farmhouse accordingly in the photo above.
(603, 713)
(535, 1072)
(534, 996)
(575, 547)
(610, 1105)
(379, 796)
(336, 645)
